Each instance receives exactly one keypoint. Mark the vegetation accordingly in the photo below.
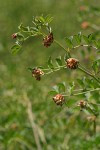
(29, 117)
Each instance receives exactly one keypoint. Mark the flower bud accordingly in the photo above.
(72, 63)
(59, 99)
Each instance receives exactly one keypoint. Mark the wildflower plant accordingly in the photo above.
(90, 84)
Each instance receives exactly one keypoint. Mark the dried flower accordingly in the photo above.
(14, 36)
(82, 104)
(36, 72)
(85, 25)
(59, 99)
(72, 63)
(48, 40)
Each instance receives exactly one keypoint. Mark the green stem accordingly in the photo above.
(97, 89)
(67, 50)
(94, 127)
(88, 73)
(54, 70)
(82, 45)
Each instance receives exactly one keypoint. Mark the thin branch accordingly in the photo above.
(97, 89)
(88, 73)
(67, 50)
(82, 45)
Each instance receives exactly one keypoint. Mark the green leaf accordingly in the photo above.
(50, 65)
(22, 28)
(96, 65)
(90, 38)
(66, 57)
(52, 93)
(71, 87)
(20, 37)
(55, 88)
(61, 87)
(58, 61)
(69, 42)
(48, 19)
(15, 49)
(78, 38)
(86, 39)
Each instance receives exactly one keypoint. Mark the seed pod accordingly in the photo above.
(72, 63)
(36, 72)
(48, 40)
(59, 99)
(14, 36)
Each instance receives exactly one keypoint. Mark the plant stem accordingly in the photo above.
(94, 127)
(88, 73)
(82, 45)
(56, 69)
(67, 50)
(97, 89)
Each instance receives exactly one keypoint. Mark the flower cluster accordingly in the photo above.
(59, 99)
(48, 40)
(72, 63)
(36, 72)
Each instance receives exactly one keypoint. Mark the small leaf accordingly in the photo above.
(50, 65)
(90, 37)
(69, 42)
(96, 65)
(20, 37)
(21, 27)
(77, 38)
(61, 87)
(52, 93)
(58, 61)
(66, 57)
(15, 49)
(86, 39)
(48, 19)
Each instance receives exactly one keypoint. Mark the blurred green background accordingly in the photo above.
(21, 96)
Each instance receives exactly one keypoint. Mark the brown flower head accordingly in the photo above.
(72, 63)
(36, 72)
(48, 40)
(14, 36)
(59, 99)
(82, 104)
(85, 25)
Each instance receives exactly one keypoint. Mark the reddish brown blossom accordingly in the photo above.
(59, 99)
(36, 72)
(72, 63)
(82, 104)
(48, 40)
(14, 36)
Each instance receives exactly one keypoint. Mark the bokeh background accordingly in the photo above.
(25, 108)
